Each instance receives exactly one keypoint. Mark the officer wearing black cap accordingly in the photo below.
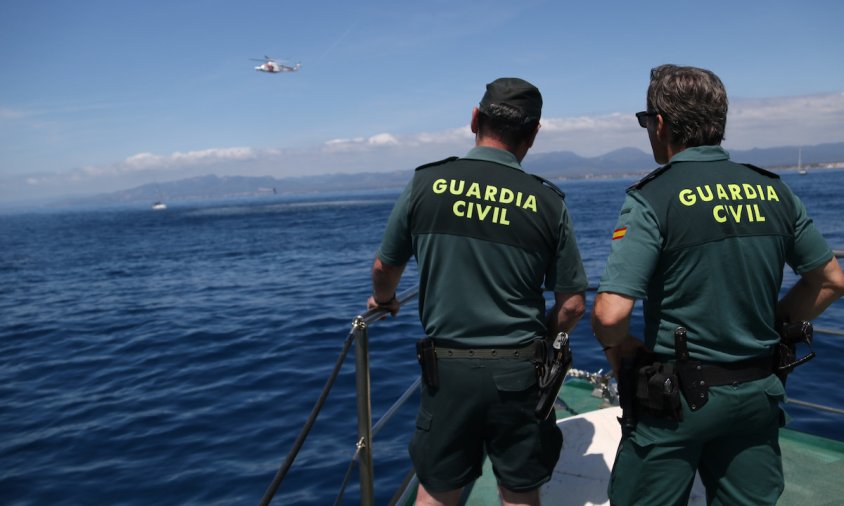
(488, 238)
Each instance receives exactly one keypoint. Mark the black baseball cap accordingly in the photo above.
(513, 92)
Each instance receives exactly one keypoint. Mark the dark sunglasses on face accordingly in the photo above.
(642, 117)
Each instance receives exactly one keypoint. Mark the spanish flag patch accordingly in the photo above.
(619, 233)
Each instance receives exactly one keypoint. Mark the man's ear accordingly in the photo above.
(533, 136)
(474, 120)
(663, 133)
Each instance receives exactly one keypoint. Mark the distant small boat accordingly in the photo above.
(800, 169)
(159, 205)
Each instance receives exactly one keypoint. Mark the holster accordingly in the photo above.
(647, 387)
(658, 392)
(552, 364)
(641, 384)
(785, 355)
(427, 356)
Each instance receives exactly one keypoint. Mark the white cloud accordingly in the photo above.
(383, 140)
(459, 135)
(142, 161)
(455, 136)
(756, 123)
(177, 160)
(814, 119)
(751, 123)
(361, 143)
(805, 120)
(340, 145)
(615, 121)
(203, 157)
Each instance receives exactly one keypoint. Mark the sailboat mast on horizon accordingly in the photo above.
(800, 169)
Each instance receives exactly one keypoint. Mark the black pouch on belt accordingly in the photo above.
(426, 354)
(657, 391)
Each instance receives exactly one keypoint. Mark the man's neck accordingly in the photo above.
(491, 142)
(673, 149)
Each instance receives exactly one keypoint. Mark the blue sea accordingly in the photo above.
(172, 357)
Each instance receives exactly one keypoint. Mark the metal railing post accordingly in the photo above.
(364, 408)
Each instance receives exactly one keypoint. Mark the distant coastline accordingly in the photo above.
(625, 163)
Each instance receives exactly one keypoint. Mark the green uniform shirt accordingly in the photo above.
(486, 236)
(704, 241)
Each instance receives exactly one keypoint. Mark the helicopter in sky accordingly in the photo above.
(274, 66)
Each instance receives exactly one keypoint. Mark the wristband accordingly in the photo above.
(384, 303)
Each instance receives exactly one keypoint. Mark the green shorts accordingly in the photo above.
(483, 406)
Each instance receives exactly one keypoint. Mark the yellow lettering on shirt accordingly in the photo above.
(506, 196)
(734, 202)
(486, 203)
(687, 197)
(530, 203)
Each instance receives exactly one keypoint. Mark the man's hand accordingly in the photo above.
(621, 352)
(392, 305)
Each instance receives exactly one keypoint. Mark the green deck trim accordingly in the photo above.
(813, 468)
(576, 398)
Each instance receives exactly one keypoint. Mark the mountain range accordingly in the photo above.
(556, 165)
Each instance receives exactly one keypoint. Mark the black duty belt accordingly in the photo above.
(732, 373)
(525, 352)
(696, 377)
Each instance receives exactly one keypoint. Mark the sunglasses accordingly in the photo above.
(642, 117)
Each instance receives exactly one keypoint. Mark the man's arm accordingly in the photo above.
(611, 318)
(385, 280)
(611, 324)
(568, 309)
(813, 293)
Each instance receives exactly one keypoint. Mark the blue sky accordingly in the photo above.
(105, 95)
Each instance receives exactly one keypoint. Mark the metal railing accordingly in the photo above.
(366, 431)
(364, 405)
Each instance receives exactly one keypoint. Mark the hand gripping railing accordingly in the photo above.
(365, 431)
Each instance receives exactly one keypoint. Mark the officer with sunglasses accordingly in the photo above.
(704, 240)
